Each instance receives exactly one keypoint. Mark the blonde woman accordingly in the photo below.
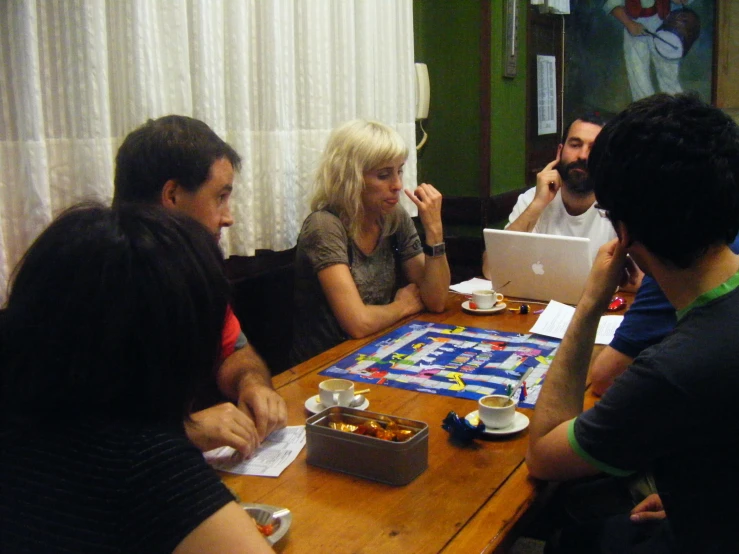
(360, 265)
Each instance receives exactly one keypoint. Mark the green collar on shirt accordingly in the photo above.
(724, 288)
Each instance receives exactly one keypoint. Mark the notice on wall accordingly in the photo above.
(552, 6)
(546, 93)
(559, 6)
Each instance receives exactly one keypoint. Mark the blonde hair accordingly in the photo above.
(353, 148)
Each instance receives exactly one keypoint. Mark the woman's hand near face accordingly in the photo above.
(428, 201)
(431, 274)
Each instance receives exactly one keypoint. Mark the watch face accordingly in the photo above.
(435, 250)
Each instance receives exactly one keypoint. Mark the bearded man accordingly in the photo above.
(563, 202)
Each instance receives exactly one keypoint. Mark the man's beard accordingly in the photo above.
(577, 182)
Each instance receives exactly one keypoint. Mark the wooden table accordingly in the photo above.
(467, 500)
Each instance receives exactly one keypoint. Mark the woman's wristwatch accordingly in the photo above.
(435, 250)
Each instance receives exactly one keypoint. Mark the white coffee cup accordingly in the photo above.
(496, 410)
(336, 392)
(486, 299)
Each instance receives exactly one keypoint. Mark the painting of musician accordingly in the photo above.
(618, 51)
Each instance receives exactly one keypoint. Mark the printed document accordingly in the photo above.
(277, 452)
(555, 319)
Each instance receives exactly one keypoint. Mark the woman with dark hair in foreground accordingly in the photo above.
(112, 323)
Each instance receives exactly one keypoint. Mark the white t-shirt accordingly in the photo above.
(555, 220)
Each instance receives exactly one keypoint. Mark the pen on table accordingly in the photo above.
(520, 382)
(525, 308)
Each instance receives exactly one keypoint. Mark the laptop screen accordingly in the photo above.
(539, 267)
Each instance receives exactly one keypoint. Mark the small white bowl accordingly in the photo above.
(264, 514)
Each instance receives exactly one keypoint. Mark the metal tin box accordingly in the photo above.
(394, 463)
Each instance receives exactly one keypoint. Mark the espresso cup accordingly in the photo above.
(336, 392)
(496, 410)
(486, 299)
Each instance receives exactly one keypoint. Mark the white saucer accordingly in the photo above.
(497, 308)
(520, 422)
(313, 405)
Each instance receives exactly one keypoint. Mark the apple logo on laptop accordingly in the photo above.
(538, 268)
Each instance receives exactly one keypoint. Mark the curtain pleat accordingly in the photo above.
(272, 77)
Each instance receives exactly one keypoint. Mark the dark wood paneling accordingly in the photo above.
(501, 205)
(462, 210)
(476, 212)
(544, 38)
(262, 299)
(464, 250)
(726, 55)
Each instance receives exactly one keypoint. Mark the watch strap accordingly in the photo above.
(434, 250)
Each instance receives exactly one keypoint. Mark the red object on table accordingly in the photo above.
(617, 303)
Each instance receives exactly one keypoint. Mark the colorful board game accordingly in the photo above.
(455, 361)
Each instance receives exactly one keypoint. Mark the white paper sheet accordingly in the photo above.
(546, 92)
(555, 319)
(277, 452)
(559, 7)
(468, 287)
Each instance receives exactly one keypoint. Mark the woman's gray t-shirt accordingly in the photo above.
(324, 242)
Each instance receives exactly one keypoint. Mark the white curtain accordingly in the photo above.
(271, 77)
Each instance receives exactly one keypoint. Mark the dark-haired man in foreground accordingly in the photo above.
(665, 171)
(180, 163)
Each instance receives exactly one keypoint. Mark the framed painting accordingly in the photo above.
(620, 51)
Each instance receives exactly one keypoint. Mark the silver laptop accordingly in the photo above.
(539, 267)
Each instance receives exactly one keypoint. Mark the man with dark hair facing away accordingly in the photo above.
(665, 171)
(180, 163)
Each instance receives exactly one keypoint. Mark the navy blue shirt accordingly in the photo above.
(673, 413)
(649, 319)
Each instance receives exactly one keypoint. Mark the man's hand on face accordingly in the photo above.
(266, 406)
(548, 182)
(223, 425)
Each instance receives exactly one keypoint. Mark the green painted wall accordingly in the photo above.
(508, 110)
(447, 36)
(447, 39)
